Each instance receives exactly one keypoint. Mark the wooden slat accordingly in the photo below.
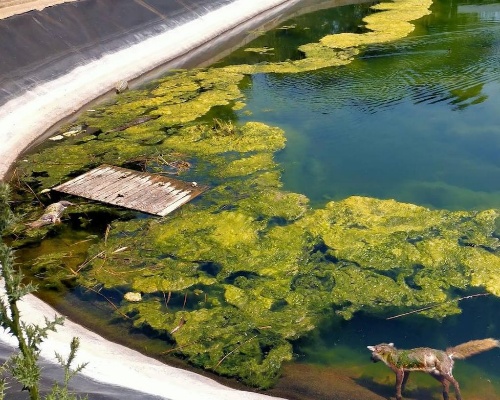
(101, 184)
(174, 205)
(149, 193)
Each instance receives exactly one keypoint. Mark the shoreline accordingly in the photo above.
(121, 366)
(52, 102)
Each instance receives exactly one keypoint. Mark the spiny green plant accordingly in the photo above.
(24, 365)
(62, 392)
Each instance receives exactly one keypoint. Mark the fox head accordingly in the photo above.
(381, 351)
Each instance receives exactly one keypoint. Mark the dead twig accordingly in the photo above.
(179, 326)
(232, 351)
(437, 305)
(106, 234)
(108, 300)
(80, 242)
(185, 300)
(87, 262)
(178, 348)
(32, 191)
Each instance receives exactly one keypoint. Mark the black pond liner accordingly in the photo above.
(58, 39)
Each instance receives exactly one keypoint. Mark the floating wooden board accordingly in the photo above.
(141, 191)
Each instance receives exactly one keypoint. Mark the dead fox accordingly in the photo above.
(437, 363)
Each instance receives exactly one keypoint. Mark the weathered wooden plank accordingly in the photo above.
(170, 199)
(174, 205)
(161, 201)
(109, 186)
(154, 194)
(161, 190)
(162, 195)
(95, 183)
(107, 183)
(130, 188)
(87, 177)
(144, 197)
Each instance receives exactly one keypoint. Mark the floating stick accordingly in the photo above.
(437, 305)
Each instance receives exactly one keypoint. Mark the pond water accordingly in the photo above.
(414, 120)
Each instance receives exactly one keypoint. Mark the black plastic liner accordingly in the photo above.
(39, 46)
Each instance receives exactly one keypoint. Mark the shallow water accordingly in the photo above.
(415, 120)
(341, 347)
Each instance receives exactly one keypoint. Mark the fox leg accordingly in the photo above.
(405, 379)
(455, 384)
(445, 383)
(399, 383)
(445, 380)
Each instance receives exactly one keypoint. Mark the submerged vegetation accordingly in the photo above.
(232, 279)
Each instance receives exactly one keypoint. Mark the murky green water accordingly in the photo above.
(415, 120)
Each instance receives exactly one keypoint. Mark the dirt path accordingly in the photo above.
(9, 8)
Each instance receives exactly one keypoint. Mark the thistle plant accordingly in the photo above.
(24, 365)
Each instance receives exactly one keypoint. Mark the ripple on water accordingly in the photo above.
(401, 121)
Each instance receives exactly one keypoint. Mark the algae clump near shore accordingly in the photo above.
(232, 279)
(246, 288)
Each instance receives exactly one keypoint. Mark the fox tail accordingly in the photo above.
(472, 347)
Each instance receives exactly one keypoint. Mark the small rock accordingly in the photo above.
(133, 297)
(56, 138)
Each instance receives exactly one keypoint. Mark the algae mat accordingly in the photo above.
(236, 277)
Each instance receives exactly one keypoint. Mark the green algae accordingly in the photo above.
(378, 256)
(247, 165)
(205, 140)
(391, 24)
(340, 49)
(260, 50)
(252, 268)
(317, 57)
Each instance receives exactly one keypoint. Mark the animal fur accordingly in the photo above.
(437, 363)
(51, 215)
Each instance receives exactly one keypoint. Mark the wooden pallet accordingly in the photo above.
(141, 191)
